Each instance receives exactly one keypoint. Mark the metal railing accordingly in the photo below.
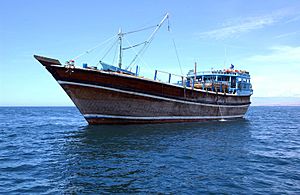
(170, 76)
(208, 85)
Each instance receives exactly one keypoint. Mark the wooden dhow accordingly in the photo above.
(113, 95)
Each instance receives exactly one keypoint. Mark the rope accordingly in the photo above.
(176, 51)
(177, 55)
(150, 39)
(92, 49)
(139, 53)
(116, 51)
(142, 29)
(109, 49)
(149, 68)
(131, 46)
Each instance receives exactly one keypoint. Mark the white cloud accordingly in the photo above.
(235, 27)
(247, 25)
(276, 74)
(274, 85)
(286, 56)
(289, 34)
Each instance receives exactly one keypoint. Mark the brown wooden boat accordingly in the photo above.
(106, 97)
(113, 95)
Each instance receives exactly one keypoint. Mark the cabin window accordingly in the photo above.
(233, 82)
(223, 78)
(209, 78)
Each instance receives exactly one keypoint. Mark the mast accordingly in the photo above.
(120, 34)
(148, 41)
(158, 27)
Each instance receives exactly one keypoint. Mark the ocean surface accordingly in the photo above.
(52, 150)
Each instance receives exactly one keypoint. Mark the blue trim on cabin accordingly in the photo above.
(237, 82)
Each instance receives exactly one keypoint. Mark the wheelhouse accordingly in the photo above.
(224, 81)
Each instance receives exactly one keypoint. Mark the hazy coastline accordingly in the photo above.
(275, 101)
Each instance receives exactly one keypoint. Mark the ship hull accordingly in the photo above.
(106, 105)
(114, 98)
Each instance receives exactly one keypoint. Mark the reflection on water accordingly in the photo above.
(127, 158)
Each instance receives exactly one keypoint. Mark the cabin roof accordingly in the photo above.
(242, 74)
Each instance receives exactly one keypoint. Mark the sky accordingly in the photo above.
(261, 37)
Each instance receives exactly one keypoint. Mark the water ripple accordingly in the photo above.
(53, 151)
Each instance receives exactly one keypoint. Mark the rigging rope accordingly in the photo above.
(149, 40)
(139, 30)
(176, 51)
(124, 48)
(137, 54)
(93, 48)
(139, 58)
(145, 44)
(177, 55)
(109, 49)
(116, 51)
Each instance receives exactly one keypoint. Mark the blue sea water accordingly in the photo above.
(52, 150)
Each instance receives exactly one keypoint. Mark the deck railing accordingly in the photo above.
(170, 76)
(191, 82)
(211, 86)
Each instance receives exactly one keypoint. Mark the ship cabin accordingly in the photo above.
(227, 81)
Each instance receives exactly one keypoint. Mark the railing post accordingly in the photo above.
(169, 77)
(193, 83)
(221, 87)
(137, 70)
(155, 74)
